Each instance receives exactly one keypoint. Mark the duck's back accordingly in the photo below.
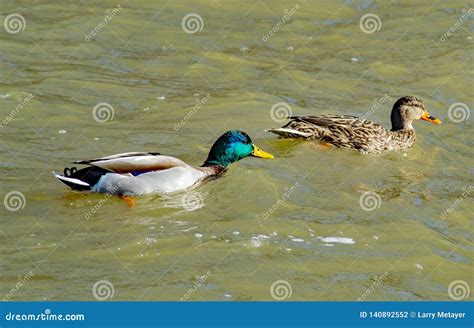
(345, 131)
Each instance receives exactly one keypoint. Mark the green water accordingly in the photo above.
(176, 92)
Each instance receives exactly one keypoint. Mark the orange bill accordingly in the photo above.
(428, 118)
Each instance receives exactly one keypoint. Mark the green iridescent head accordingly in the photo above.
(231, 147)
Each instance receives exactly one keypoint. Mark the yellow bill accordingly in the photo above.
(428, 118)
(257, 152)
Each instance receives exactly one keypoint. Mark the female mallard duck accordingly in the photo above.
(358, 133)
(144, 173)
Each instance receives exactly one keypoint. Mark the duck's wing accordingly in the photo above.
(314, 127)
(347, 121)
(135, 162)
(340, 130)
(116, 156)
(343, 130)
(343, 122)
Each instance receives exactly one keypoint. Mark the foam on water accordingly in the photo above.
(339, 240)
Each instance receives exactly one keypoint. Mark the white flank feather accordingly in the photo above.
(72, 180)
(285, 131)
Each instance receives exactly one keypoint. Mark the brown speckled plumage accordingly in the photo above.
(358, 133)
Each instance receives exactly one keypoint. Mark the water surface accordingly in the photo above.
(297, 218)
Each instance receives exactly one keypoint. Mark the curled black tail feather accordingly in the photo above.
(68, 172)
(90, 175)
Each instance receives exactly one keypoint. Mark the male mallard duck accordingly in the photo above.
(358, 133)
(144, 173)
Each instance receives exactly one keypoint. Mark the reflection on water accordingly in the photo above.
(146, 76)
